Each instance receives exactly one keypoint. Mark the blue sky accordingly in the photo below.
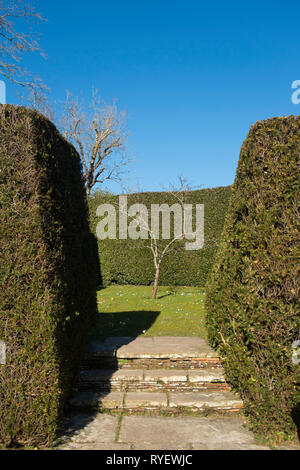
(191, 75)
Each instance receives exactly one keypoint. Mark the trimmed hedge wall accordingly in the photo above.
(253, 290)
(47, 275)
(131, 262)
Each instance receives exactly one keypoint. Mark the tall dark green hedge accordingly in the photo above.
(131, 262)
(253, 291)
(47, 275)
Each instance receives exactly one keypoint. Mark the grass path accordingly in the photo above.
(129, 311)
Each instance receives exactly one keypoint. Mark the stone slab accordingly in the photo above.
(96, 446)
(165, 375)
(145, 400)
(159, 447)
(206, 375)
(110, 346)
(97, 431)
(100, 349)
(86, 428)
(184, 432)
(128, 375)
(227, 446)
(185, 346)
(160, 347)
(202, 400)
(111, 375)
(98, 400)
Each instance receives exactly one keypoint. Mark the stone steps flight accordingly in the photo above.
(160, 374)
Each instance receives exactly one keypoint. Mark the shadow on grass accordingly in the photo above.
(165, 295)
(113, 330)
(126, 323)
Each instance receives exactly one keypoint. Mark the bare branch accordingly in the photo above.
(15, 44)
(99, 134)
(37, 98)
(159, 248)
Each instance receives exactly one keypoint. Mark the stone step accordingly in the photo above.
(148, 352)
(153, 379)
(162, 374)
(158, 401)
(153, 363)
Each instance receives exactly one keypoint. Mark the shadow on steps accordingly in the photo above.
(138, 323)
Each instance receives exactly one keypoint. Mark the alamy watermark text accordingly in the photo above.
(136, 222)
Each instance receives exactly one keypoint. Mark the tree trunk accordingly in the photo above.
(155, 285)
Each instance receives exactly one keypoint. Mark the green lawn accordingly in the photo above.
(129, 311)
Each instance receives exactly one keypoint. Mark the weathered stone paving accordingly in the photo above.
(153, 379)
(152, 347)
(106, 432)
(199, 385)
(143, 401)
(169, 378)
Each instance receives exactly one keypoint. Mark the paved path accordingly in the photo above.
(152, 375)
(103, 431)
(106, 432)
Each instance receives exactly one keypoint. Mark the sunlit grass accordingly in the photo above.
(129, 311)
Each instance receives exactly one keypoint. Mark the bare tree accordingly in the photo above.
(162, 243)
(14, 44)
(159, 250)
(98, 131)
(159, 247)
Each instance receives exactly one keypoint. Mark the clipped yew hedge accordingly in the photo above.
(253, 291)
(130, 261)
(47, 275)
